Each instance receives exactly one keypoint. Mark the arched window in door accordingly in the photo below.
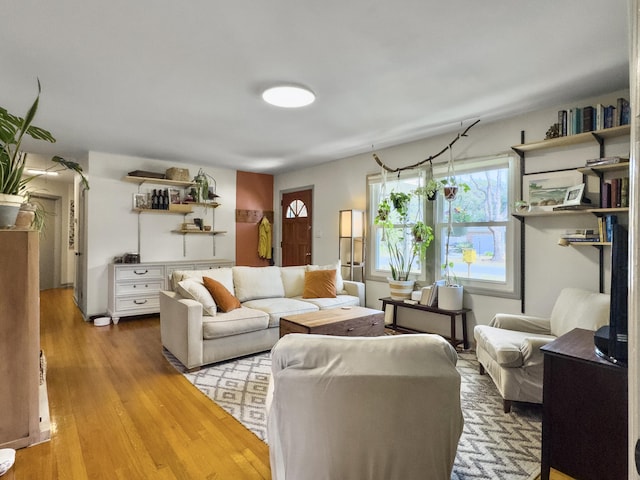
(296, 209)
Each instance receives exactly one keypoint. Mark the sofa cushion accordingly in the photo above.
(237, 321)
(224, 298)
(257, 282)
(293, 280)
(334, 266)
(505, 346)
(223, 275)
(280, 307)
(336, 302)
(195, 290)
(319, 284)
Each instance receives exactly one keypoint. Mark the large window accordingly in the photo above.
(484, 241)
(484, 245)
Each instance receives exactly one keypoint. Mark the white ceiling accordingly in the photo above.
(181, 80)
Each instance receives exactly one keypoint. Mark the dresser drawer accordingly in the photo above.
(139, 272)
(369, 327)
(141, 288)
(140, 303)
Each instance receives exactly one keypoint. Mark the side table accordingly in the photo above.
(452, 314)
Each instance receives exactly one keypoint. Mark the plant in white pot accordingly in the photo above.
(13, 182)
(406, 241)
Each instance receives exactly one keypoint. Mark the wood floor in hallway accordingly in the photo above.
(119, 410)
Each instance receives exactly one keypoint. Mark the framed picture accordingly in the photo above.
(141, 201)
(543, 191)
(174, 195)
(573, 195)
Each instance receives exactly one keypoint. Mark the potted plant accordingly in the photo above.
(450, 295)
(406, 240)
(203, 193)
(13, 182)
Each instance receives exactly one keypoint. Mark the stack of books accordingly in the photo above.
(581, 235)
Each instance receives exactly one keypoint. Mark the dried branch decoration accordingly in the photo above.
(422, 162)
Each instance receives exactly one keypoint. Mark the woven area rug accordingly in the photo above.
(494, 445)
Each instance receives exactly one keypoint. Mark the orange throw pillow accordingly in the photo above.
(224, 298)
(320, 284)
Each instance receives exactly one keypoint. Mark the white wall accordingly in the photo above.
(112, 228)
(342, 185)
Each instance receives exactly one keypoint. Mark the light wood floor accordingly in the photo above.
(119, 410)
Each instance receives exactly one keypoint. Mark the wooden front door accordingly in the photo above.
(296, 228)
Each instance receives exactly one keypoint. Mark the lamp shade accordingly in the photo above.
(351, 223)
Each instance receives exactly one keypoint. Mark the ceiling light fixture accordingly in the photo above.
(288, 96)
(41, 172)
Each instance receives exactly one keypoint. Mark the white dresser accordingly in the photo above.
(134, 288)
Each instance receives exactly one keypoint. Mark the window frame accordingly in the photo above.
(431, 268)
(511, 287)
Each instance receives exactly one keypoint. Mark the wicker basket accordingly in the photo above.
(178, 174)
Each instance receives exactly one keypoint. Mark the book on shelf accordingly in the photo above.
(592, 239)
(614, 193)
(580, 233)
(590, 118)
(605, 227)
(594, 162)
(582, 206)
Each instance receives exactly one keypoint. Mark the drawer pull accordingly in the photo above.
(350, 329)
(141, 273)
(140, 302)
(374, 323)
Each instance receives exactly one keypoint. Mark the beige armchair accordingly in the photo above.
(363, 407)
(509, 347)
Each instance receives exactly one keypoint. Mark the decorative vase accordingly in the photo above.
(400, 289)
(9, 207)
(450, 297)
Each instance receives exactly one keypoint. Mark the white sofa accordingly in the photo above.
(197, 334)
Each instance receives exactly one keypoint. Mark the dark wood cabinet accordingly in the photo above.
(584, 424)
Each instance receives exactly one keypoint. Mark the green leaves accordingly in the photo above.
(12, 159)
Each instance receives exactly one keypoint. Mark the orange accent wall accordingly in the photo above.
(254, 191)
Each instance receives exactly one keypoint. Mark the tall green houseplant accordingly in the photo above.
(13, 182)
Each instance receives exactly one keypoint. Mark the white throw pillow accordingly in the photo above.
(223, 275)
(293, 280)
(334, 266)
(252, 283)
(195, 290)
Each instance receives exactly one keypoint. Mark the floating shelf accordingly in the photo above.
(159, 181)
(198, 232)
(171, 212)
(586, 137)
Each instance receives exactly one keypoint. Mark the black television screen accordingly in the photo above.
(612, 340)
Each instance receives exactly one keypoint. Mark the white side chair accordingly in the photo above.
(363, 407)
(509, 347)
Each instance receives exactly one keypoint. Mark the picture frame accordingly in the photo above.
(545, 190)
(174, 195)
(573, 195)
(141, 201)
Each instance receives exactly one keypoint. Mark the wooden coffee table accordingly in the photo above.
(352, 322)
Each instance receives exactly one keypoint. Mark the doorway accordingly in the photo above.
(49, 248)
(296, 227)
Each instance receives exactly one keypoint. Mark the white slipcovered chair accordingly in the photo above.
(363, 407)
(509, 347)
